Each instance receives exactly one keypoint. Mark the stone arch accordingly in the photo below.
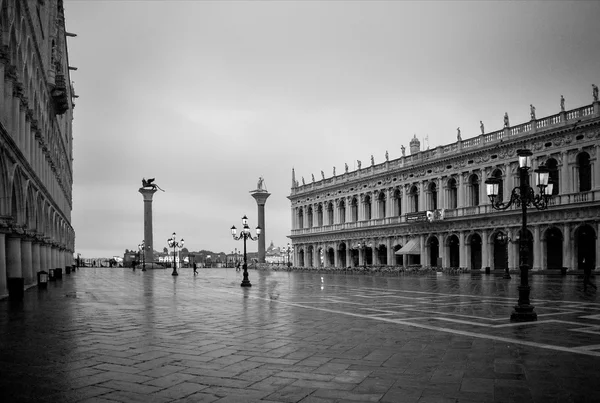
(309, 216)
(342, 211)
(452, 185)
(553, 239)
(432, 195)
(331, 256)
(584, 172)
(398, 259)
(414, 198)
(30, 208)
(17, 198)
(301, 256)
(433, 245)
(398, 201)
(368, 206)
(585, 238)
(300, 217)
(310, 252)
(342, 254)
(473, 185)
(453, 244)
(4, 186)
(500, 244)
(382, 254)
(354, 209)
(381, 204)
(474, 245)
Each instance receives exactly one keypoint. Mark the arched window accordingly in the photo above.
(452, 194)
(300, 218)
(414, 199)
(309, 217)
(367, 207)
(474, 190)
(330, 213)
(320, 215)
(432, 196)
(398, 201)
(354, 209)
(585, 172)
(381, 204)
(342, 211)
(552, 166)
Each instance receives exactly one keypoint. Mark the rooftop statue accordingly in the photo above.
(372, 160)
(595, 92)
(458, 137)
(481, 127)
(149, 184)
(562, 103)
(322, 175)
(358, 162)
(403, 150)
(387, 156)
(260, 183)
(532, 111)
(346, 167)
(506, 122)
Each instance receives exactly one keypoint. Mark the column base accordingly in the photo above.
(523, 313)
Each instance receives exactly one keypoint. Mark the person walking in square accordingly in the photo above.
(587, 273)
(195, 269)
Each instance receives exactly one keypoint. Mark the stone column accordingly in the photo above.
(374, 260)
(391, 257)
(13, 256)
(567, 248)
(261, 195)
(35, 259)
(485, 253)
(26, 261)
(148, 237)
(3, 274)
(462, 249)
(348, 255)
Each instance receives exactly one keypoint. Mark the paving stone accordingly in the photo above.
(448, 338)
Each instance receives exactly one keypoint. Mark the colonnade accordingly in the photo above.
(23, 257)
(467, 249)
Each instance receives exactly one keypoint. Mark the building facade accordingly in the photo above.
(430, 208)
(36, 144)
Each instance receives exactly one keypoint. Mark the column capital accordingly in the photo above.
(260, 196)
(147, 193)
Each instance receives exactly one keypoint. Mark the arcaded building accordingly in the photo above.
(36, 141)
(430, 207)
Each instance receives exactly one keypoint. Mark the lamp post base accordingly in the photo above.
(246, 283)
(174, 273)
(523, 313)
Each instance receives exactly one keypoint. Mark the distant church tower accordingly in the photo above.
(415, 145)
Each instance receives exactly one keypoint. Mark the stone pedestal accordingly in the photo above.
(261, 195)
(148, 239)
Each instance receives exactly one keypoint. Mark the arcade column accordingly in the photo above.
(261, 195)
(148, 239)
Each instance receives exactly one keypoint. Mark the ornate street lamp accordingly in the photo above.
(172, 242)
(245, 234)
(523, 196)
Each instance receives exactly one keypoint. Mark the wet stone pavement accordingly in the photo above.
(115, 335)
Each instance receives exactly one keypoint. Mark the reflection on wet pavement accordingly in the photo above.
(118, 335)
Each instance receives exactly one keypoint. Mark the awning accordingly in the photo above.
(412, 247)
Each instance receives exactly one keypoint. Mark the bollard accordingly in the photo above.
(42, 278)
(58, 273)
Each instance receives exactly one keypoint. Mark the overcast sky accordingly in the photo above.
(208, 96)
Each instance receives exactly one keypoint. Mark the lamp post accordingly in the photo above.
(172, 242)
(143, 255)
(523, 196)
(245, 234)
(288, 249)
(502, 237)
